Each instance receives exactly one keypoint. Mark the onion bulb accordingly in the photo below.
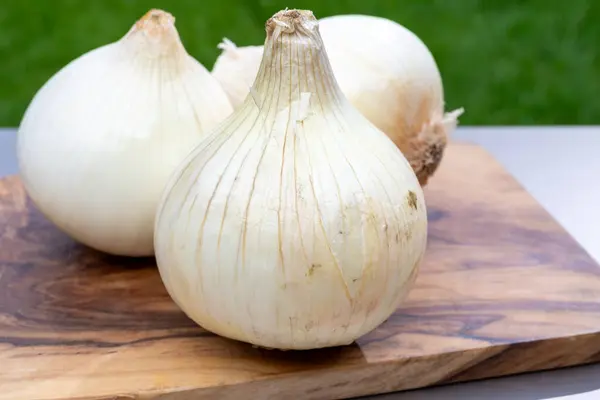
(99, 140)
(235, 69)
(385, 71)
(296, 224)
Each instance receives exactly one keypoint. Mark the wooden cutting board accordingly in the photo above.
(503, 290)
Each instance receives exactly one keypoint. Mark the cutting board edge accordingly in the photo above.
(477, 360)
(342, 389)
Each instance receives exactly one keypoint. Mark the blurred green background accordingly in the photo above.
(508, 62)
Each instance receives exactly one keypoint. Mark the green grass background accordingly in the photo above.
(506, 61)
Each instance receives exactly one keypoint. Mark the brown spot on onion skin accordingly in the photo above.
(312, 269)
(411, 199)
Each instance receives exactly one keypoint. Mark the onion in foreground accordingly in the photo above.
(296, 224)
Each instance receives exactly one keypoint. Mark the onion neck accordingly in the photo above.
(294, 63)
(154, 37)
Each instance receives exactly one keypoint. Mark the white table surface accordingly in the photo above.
(560, 167)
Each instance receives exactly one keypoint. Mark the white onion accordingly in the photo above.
(100, 139)
(296, 224)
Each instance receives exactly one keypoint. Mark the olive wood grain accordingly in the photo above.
(503, 290)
